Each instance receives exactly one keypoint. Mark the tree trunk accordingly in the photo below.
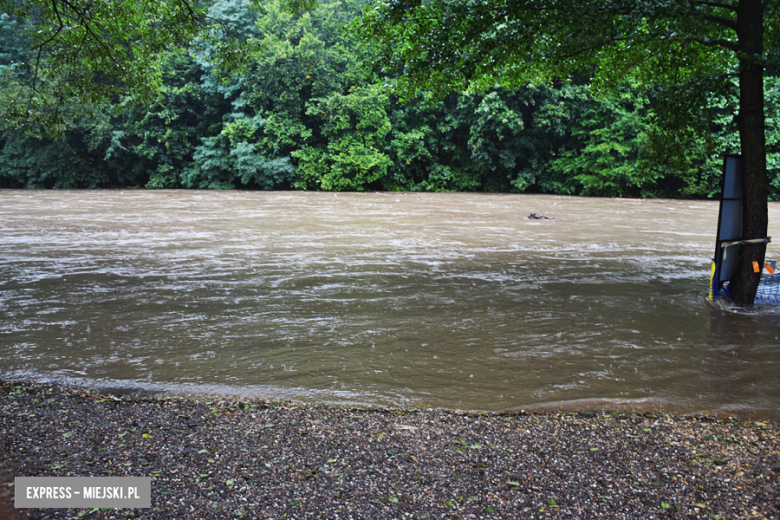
(750, 122)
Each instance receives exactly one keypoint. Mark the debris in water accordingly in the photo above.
(539, 217)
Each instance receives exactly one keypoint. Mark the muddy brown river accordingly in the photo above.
(410, 300)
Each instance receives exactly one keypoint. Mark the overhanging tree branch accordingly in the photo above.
(191, 12)
(720, 5)
(717, 43)
(731, 24)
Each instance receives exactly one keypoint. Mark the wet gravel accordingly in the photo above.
(225, 458)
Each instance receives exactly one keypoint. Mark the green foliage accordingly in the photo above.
(446, 45)
(14, 42)
(162, 139)
(464, 143)
(302, 108)
(223, 161)
(235, 24)
(31, 163)
(354, 128)
(298, 59)
(608, 153)
(87, 52)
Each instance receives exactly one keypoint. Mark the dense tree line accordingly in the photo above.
(305, 111)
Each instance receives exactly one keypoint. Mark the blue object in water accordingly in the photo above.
(768, 289)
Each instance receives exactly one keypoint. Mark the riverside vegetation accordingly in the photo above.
(306, 111)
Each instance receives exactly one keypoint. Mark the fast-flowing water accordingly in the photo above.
(453, 300)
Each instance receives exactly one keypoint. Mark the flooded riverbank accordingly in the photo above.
(452, 300)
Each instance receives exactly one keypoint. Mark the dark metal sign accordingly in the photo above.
(729, 222)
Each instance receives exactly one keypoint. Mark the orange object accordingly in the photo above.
(756, 268)
(769, 269)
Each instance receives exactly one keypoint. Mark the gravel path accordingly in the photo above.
(223, 458)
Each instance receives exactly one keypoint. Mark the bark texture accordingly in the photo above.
(750, 122)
